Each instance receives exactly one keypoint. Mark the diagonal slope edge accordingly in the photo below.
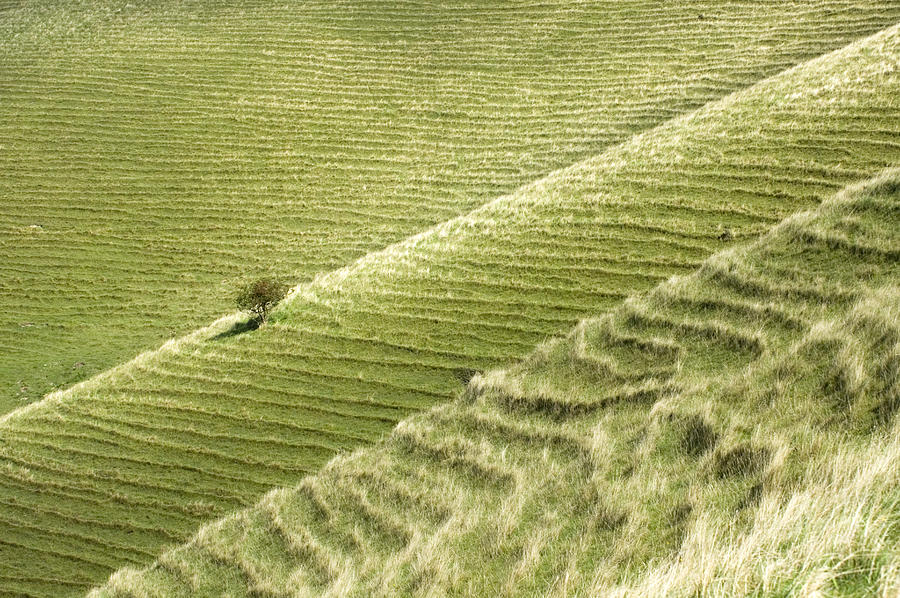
(500, 454)
(374, 259)
(111, 476)
(330, 203)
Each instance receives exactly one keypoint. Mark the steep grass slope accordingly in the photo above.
(109, 472)
(733, 432)
(153, 153)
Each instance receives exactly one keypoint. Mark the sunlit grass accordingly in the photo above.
(114, 470)
(721, 467)
(153, 155)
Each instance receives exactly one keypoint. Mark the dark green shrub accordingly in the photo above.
(260, 296)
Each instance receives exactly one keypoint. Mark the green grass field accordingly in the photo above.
(730, 433)
(152, 154)
(109, 473)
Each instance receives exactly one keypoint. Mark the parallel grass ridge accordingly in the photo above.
(106, 474)
(152, 153)
(732, 432)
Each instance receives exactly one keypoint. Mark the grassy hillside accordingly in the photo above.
(732, 433)
(151, 154)
(108, 473)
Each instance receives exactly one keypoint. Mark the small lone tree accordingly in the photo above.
(260, 296)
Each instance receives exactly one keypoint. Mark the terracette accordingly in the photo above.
(730, 433)
(153, 154)
(110, 472)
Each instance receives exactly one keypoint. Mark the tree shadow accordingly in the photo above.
(236, 329)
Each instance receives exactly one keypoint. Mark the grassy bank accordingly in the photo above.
(153, 154)
(110, 472)
(730, 433)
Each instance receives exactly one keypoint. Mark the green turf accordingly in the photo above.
(651, 452)
(108, 473)
(153, 154)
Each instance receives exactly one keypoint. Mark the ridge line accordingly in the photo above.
(338, 275)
